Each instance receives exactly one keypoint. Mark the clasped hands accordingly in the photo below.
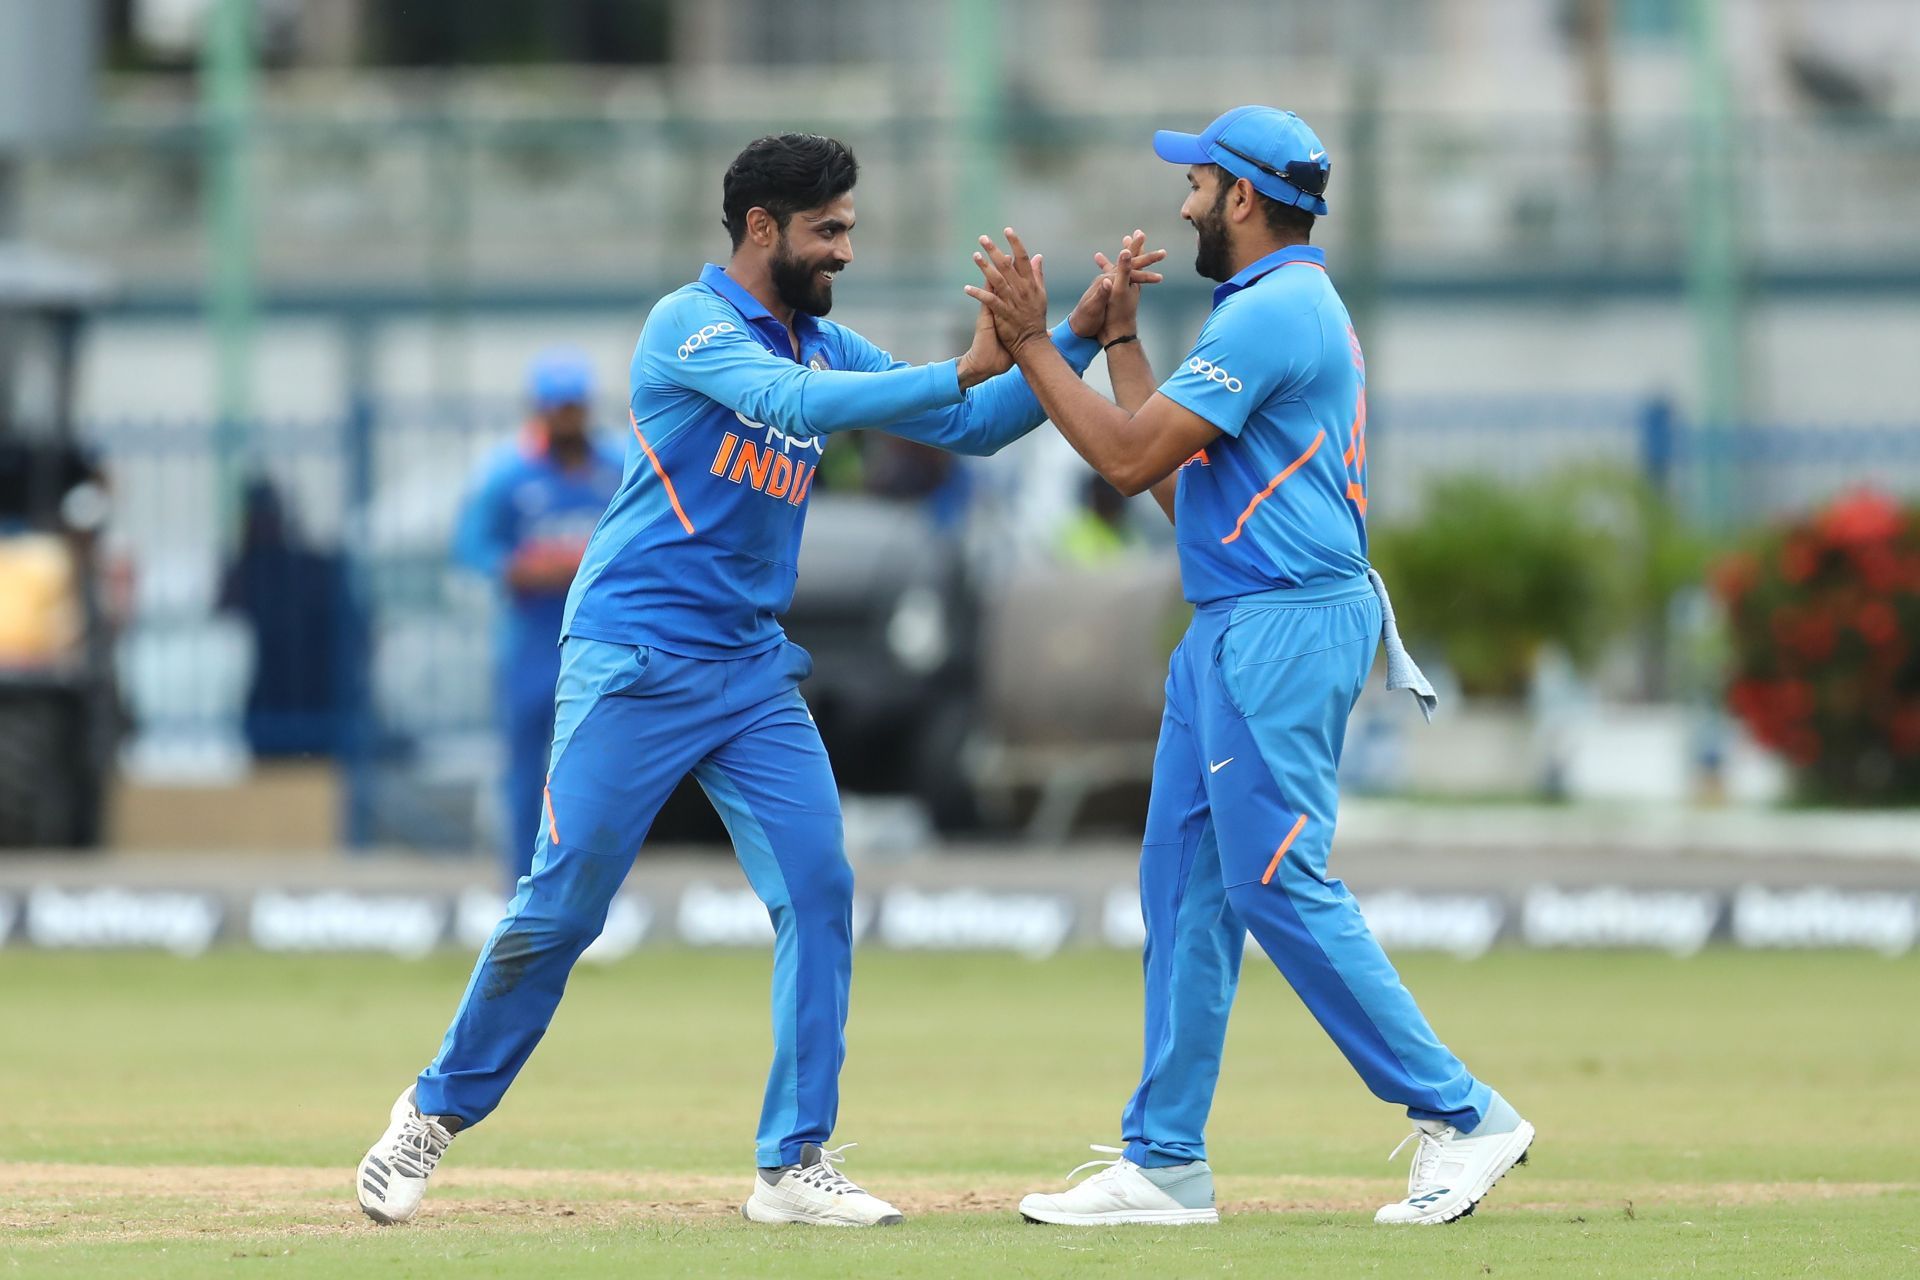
(1013, 303)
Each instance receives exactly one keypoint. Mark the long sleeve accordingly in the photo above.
(695, 347)
(994, 414)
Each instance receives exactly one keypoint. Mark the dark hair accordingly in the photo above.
(783, 174)
(1285, 221)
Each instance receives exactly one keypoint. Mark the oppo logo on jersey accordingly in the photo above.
(695, 341)
(787, 443)
(1214, 373)
(764, 468)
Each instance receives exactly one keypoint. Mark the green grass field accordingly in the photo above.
(1733, 1114)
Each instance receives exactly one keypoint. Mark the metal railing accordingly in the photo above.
(401, 641)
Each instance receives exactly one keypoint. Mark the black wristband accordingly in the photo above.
(1131, 337)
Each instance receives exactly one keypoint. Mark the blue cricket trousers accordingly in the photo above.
(1238, 831)
(630, 722)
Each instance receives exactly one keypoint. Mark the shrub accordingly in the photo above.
(1491, 573)
(1823, 616)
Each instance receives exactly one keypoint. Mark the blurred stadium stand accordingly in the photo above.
(435, 190)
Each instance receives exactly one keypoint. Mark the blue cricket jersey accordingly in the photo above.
(522, 499)
(698, 552)
(1280, 499)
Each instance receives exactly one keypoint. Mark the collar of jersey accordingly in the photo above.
(717, 279)
(1266, 266)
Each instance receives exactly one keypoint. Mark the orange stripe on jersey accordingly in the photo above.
(1281, 852)
(654, 461)
(1357, 441)
(1273, 484)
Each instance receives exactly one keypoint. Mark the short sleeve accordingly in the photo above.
(1245, 355)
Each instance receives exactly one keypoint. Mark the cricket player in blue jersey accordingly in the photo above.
(1257, 449)
(673, 662)
(524, 526)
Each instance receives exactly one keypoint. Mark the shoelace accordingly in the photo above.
(1426, 1158)
(1105, 1166)
(827, 1177)
(419, 1146)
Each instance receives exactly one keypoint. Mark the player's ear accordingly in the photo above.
(1243, 203)
(762, 228)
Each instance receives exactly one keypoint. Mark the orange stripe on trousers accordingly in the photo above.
(553, 828)
(660, 471)
(1273, 484)
(1281, 852)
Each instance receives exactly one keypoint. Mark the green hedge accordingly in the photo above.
(1491, 573)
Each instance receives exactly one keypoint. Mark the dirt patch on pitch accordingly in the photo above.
(66, 1203)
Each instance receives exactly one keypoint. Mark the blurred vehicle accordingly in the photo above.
(58, 717)
(888, 609)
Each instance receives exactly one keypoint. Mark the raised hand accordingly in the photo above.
(1089, 315)
(1016, 292)
(986, 357)
(1122, 278)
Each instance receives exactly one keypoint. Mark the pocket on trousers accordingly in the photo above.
(1258, 641)
(633, 676)
(799, 662)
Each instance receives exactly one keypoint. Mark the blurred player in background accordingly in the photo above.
(1256, 448)
(524, 526)
(675, 662)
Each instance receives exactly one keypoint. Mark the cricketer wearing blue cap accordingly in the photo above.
(1257, 449)
(524, 525)
(674, 662)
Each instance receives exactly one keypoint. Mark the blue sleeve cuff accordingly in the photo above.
(1076, 350)
(946, 376)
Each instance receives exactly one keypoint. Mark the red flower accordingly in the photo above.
(1812, 637)
(1825, 617)
(1877, 622)
(1793, 699)
(1745, 698)
(1802, 746)
(1862, 517)
(1903, 730)
(1879, 567)
(1799, 560)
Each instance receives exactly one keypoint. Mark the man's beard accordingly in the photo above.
(1213, 260)
(799, 284)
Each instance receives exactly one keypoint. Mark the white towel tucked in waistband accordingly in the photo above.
(1402, 671)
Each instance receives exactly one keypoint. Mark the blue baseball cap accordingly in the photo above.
(558, 376)
(1272, 149)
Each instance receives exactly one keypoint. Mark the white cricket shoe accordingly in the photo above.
(393, 1175)
(1124, 1192)
(1452, 1172)
(815, 1191)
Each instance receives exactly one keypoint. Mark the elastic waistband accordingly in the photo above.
(1346, 589)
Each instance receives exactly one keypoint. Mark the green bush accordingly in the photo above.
(1491, 573)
